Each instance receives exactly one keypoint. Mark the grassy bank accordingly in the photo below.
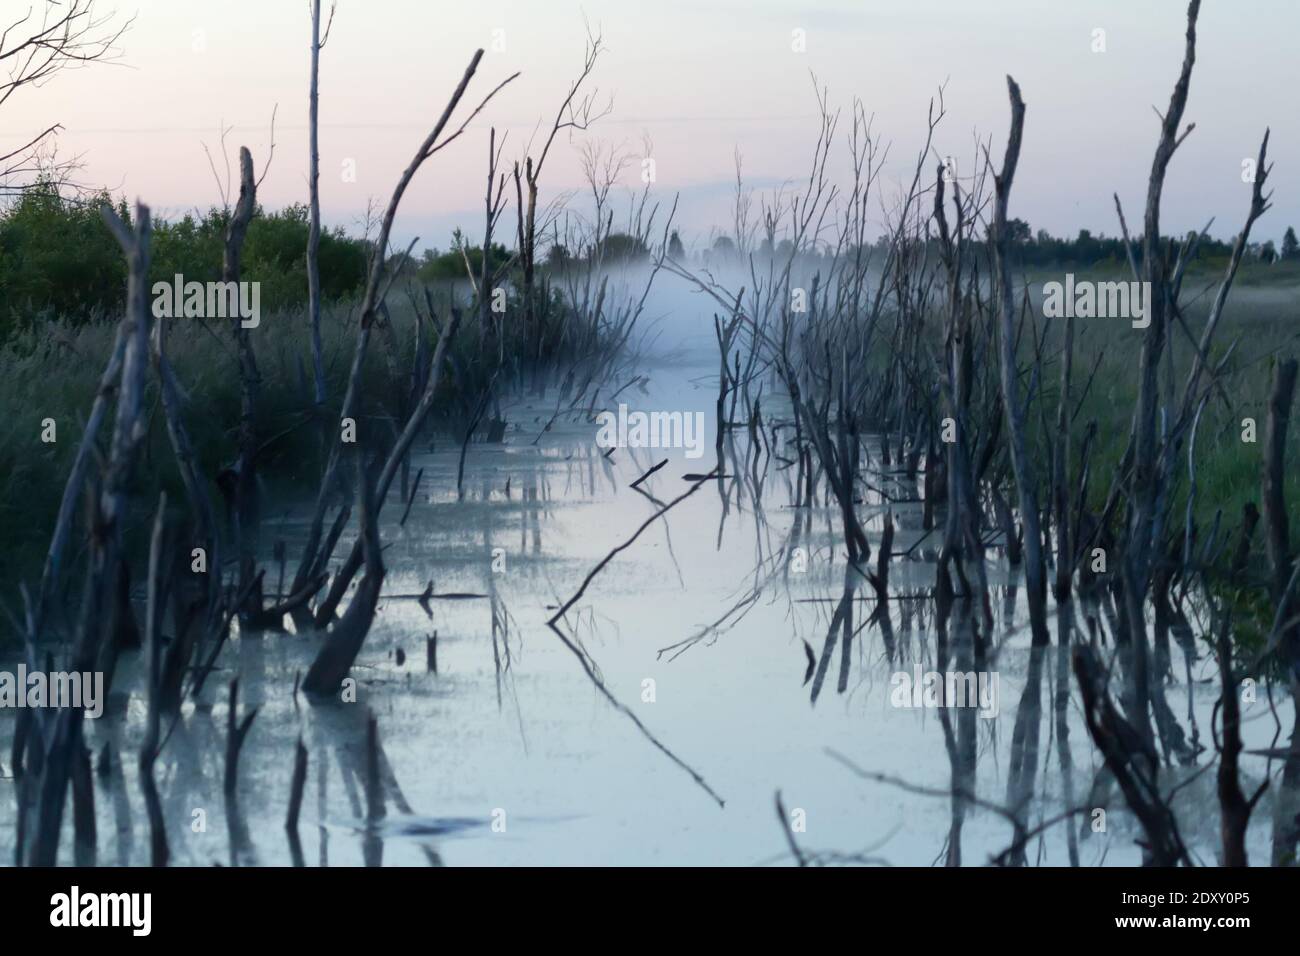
(53, 373)
(1258, 326)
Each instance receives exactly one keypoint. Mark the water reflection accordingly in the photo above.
(735, 630)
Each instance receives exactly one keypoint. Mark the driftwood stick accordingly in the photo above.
(627, 544)
(586, 662)
(650, 472)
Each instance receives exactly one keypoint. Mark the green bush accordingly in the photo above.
(438, 266)
(57, 258)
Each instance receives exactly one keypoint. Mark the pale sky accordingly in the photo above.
(700, 78)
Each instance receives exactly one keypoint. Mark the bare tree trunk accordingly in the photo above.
(1026, 482)
(245, 509)
(398, 452)
(1142, 535)
(96, 629)
(1234, 808)
(313, 186)
(85, 849)
(1063, 590)
(205, 525)
(108, 384)
(343, 642)
(1028, 715)
(1130, 761)
(375, 292)
(1286, 818)
(153, 646)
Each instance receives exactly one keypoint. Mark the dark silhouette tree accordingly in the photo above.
(1290, 247)
(675, 249)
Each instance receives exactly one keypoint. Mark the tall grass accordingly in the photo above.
(52, 372)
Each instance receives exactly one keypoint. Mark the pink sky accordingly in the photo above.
(700, 78)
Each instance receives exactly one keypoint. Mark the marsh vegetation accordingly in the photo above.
(367, 565)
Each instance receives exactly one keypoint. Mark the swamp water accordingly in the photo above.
(509, 753)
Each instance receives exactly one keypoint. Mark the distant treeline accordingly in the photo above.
(1087, 250)
(1041, 249)
(57, 259)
